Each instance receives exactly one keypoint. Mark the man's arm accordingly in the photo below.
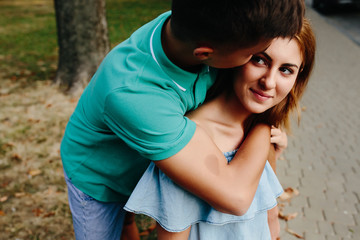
(202, 169)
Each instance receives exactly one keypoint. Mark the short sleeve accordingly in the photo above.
(149, 120)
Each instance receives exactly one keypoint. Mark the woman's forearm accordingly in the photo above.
(202, 169)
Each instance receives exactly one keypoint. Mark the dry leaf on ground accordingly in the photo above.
(34, 172)
(287, 217)
(288, 194)
(3, 199)
(294, 233)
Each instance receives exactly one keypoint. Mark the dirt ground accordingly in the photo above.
(33, 194)
(33, 201)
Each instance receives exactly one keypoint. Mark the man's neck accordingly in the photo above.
(180, 53)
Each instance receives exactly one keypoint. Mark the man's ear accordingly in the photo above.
(203, 53)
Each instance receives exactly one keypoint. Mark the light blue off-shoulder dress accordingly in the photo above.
(175, 209)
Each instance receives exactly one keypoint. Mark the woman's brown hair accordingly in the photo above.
(278, 115)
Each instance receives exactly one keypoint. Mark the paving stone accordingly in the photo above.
(334, 194)
(332, 237)
(312, 190)
(314, 236)
(287, 236)
(302, 225)
(346, 207)
(326, 228)
(310, 180)
(289, 181)
(356, 219)
(313, 213)
(320, 202)
(343, 230)
(322, 159)
(355, 230)
(300, 200)
(352, 183)
(338, 217)
(290, 210)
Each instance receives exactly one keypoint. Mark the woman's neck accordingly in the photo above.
(223, 119)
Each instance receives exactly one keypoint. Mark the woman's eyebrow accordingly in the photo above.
(267, 56)
(290, 65)
(286, 64)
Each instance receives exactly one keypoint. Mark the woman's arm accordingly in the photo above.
(202, 169)
(278, 144)
(273, 214)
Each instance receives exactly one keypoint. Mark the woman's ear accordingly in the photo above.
(203, 53)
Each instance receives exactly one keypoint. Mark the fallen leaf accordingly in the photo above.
(49, 214)
(34, 172)
(5, 183)
(2, 213)
(294, 233)
(73, 100)
(287, 217)
(50, 191)
(40, 63)
(37, 211)
(4, 198)
(31, 120)
(288, 194)
(285, 197)
(19, 194)
(292, 191)
(16, 157)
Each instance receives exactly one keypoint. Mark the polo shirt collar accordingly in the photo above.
(183, 79)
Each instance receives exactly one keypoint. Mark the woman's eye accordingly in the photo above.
(258, 60)
(286, 71)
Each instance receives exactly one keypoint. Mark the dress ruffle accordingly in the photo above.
(175, 209)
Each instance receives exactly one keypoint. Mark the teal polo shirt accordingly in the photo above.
(132, 111)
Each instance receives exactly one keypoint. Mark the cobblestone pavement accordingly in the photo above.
(322, 160)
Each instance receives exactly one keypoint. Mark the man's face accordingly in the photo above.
(231, 59)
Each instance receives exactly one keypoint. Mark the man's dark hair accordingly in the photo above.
(240, 23)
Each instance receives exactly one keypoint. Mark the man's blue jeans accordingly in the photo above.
(92, 219)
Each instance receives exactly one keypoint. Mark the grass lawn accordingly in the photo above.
(33, 115)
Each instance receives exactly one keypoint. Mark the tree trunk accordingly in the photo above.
(83, 41)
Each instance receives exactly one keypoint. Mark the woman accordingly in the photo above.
(264, 90)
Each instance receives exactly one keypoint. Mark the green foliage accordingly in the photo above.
(28, 40)
(28, 37)
(33, 200)
(125, 16)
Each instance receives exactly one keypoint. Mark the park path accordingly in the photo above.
(322, 160)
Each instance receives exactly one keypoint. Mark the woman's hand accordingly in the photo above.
(279, 139)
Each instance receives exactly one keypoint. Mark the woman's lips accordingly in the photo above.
(260, 95)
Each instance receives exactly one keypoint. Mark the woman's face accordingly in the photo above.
(269, 76)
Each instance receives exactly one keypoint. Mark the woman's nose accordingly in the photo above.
(268, 81)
